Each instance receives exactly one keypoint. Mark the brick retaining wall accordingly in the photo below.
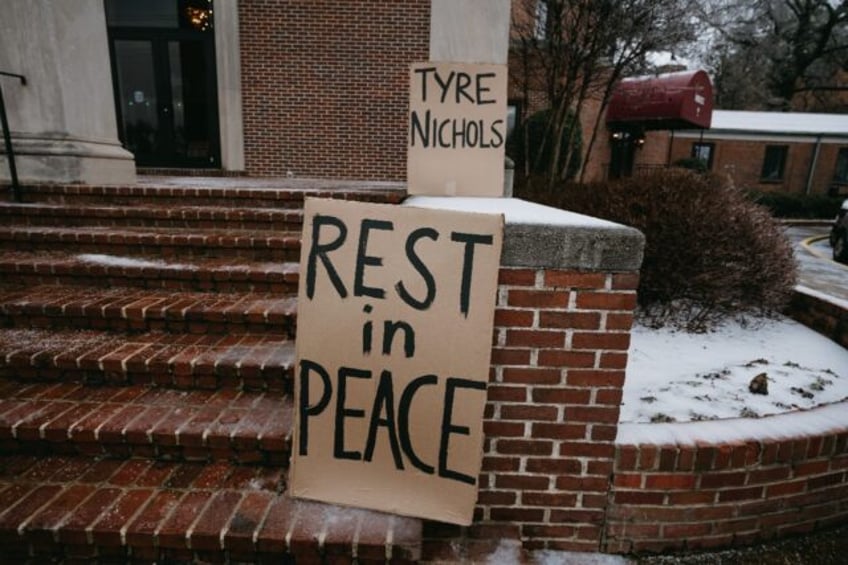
(676, 497)
(828, 317)
(789, 477)
(561, 340)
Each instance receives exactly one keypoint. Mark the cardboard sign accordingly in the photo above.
(394, 328)
(457, 129)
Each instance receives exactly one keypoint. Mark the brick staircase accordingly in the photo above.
(146, 350)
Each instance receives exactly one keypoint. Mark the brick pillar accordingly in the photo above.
(566, 296)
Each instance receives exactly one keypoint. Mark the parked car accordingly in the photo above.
(839, 234)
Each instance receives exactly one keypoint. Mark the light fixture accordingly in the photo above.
(199, 18)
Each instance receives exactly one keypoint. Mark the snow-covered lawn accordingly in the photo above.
(680, 377)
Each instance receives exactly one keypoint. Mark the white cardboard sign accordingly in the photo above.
(395, 315)
(457, 129)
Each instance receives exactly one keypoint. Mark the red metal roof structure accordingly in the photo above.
(682, 100)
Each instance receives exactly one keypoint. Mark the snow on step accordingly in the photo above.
(186, 511)
(245, 361)
(148, 422)
(103, 269)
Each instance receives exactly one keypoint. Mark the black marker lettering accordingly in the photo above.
(367, 332)
(448, 428)
(424, 72)
(362, 259)
(441, 137)
(423, 131)
(483, 89)
(422, 269)
(305, 409)
(463, 81)
(339, 451)
(320, 251)
(472, 133)
(459, 132)
(470, 240)
(496, 130)
(390, 329)
(403, 421)
(384, 401)
(445, 86)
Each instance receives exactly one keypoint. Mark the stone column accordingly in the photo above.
(228, 66)
(63, 120)
(469, 31)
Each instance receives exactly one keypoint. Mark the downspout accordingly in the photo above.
(811, 172)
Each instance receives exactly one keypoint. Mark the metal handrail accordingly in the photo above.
(7, 138)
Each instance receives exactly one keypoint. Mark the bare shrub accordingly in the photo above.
(710, 252)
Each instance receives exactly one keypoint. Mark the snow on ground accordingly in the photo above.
(515, 210)
(549, 557)
(509, 552)
(829, 419)
(673, 376)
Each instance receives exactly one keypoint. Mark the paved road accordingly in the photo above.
(816, 269)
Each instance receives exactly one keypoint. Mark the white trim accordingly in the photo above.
(780, 123)
(228, 72)
(711, 135)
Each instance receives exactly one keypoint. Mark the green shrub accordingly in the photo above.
(799, 206)
(710, 252)
(539, 153)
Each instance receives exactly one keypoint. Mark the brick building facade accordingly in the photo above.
(325, 85)
(763, 151)
(319, 89)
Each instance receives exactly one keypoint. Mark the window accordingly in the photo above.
(774, 163)
(173, 14)
(541, 29)
(840, 175)
(704, 152)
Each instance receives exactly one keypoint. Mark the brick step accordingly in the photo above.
(156, 242)
(69, 508)
(197, 217)
(227, 192)
(202, 362)
(103, 270)
(136, 310)
(146, 422)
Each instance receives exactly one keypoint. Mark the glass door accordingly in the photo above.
(164, 83)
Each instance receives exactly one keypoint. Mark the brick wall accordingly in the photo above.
(742, 160)
(325, 85)
(671, 497)
(701, 494)
(558, 359)
(824, 316)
